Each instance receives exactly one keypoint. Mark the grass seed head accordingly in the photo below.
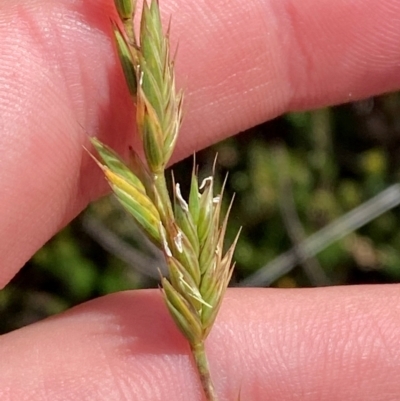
(159, 111)
(190, 233)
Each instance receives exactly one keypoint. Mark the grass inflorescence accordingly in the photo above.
(189, 233)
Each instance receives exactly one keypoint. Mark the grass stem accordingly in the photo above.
(201, 361)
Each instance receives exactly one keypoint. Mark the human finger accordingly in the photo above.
(312, 344)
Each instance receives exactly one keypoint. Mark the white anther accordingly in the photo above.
(181, 201)
(205, 182)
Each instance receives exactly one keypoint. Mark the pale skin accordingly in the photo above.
(241, 63)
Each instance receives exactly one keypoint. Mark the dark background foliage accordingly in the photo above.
(292, 177)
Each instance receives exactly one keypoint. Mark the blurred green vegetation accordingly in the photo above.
(292, 177)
